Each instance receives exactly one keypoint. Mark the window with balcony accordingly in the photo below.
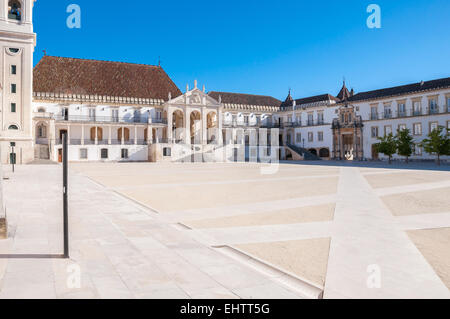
(387, 112)
(92, 114)
(320, 118)
(417, 129)
(14, 10)
(310, 119)
(417, 108)
(401, 109)
(433, 106)
(374, 113)
(448, 103)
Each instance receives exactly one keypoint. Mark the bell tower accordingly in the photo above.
(17, 43)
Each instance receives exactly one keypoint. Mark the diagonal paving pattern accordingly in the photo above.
(365, 233)
(126, 249)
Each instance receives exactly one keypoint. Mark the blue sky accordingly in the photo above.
(258, 47)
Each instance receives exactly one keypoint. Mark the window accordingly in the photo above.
(41, 110)
(13, 128)
(387, 111)
(374, 113)
(448, 125)
(320, 118)
(167, 151)
(448, 103)
(42, 131)
(374, 131)
(310, 137)
(320, 136)
(310, 119)
(402, 127)
(124, 153)
(13, 69)
(433, 126)
(14, 10)
(387, 130)
(104, 153)
(417, 129)
(401, 109)
(13, 88)
(433, 107)
(417, 108)
(83, 153)
(13, 107)
(299, 137)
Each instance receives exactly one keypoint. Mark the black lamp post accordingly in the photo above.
(13, 155)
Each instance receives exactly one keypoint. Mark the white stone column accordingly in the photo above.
(220, 126)
(96, 135)
(109, 135)
(68, 134)
(204, 126)
(135, 135)
(170, 125)
(122, 138)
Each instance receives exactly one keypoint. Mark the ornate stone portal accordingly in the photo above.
(348, 135)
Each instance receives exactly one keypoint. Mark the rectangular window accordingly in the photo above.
(433, 126)
(402, 127)
(13, 69)
(374, 113)
(320, 136)
(310, 119)
(310, 137)
(374, 131)
(124, 153)
(13, 88)
(320, 118)
(387, 130)
(448, 103)
(104, 153)
(13, 107)
(417, 108)
(433, 106)
(83, 153)
(417, 129)
(387, 111)
(299, 137)
(401, 109)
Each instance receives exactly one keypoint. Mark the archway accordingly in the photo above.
(196, 127)
(178, 126)
(212, 127)
(324, 153)
(313, 151)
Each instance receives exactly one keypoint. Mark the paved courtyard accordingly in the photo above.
(141, 230)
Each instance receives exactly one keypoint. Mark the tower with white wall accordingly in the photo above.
(17, 42)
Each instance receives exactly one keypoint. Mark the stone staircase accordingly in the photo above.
(307, 156)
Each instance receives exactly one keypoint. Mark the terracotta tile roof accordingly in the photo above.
(79, 76)
(245, 99)
(402, 90)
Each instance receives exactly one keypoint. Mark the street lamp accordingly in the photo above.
(13, 155)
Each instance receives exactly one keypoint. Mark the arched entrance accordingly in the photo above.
(178, 126)
(324, 153)
(212, 127)
(313, 151)
(196, 127)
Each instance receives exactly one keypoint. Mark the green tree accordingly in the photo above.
(437, 143)
(405, 143)
(387, 146)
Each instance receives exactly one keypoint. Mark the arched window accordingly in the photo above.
(42, 131)
(13, 128)
(41, 110)
(14, 10)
